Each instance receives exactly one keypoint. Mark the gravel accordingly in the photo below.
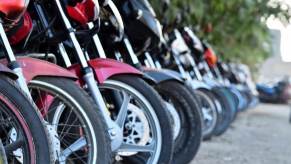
(258, 136)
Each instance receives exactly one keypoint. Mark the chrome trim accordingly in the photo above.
(98, 43)
(6, 43)
(130, 51)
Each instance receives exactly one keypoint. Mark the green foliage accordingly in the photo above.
(239, 31)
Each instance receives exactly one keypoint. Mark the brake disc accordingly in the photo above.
(136, 129)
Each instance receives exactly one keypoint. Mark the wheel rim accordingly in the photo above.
(131, 97)
(70, 130)
(175, 118)
(15, 134)
(208, 112)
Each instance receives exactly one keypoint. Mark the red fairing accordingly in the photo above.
(13, 9)
(23, 31)
(106, 68)
(33, 68)
(210, 57)
(83, 13)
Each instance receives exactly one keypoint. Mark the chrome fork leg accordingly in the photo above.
(12, 61)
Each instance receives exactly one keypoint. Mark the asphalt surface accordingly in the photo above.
(259, 136)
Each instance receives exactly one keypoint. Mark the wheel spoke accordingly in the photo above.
(77, 145)
(123, 110)
(136, 148)
(13, 146)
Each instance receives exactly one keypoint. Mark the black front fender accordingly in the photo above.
(163, 75)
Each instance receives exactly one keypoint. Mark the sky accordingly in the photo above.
(285, 36)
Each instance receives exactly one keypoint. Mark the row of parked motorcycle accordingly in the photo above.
(103, 81)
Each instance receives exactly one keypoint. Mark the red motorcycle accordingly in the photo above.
(23, 137)
(70, 117)
(138, 124)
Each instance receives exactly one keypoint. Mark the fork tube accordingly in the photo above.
(195, 69)
(209, 73)
(72, 36)
(179, 64)
(150, 60)
(12, 63)
(131, 53)
(8, 49)
(45, 24)
(97, 43)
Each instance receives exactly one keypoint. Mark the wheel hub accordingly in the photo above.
(13, 138)
(207, 115)
(136, 129)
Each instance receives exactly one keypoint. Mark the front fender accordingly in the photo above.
(196, 84)
(33, 68)
(106, 68)
(211, 82)
(162, 75)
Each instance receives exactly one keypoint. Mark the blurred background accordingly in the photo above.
(256, 33)
(247, 31)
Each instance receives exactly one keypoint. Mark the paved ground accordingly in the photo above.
(259, 136)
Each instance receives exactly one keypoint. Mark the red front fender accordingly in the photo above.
(106, 68)
(33, 68)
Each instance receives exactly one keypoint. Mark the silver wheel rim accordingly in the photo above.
(209, 113)
(79, 143)
(153, 146)
(176, 119)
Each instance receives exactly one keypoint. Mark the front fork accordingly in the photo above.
(12, 63)
(115, 132)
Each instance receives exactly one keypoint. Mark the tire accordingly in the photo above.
(207, 96)
(233, 101)
(237, 97)
(86, 110)
(226, 114)
(246, 99)
(3, 157)
(187, 106)
(150, 96)
(26, 115)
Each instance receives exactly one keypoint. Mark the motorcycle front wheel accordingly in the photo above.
(76, 127)
(188, 139)
(22, 131)
(227, 110)
(147, 133)
(209, 112)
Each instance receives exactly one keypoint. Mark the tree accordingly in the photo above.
(238, 27)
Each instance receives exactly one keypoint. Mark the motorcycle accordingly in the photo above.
(65, 108)
(138, 124)
(178, 50)
(183, 107)
(200, 65)
(247, 98)
(277, 93)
